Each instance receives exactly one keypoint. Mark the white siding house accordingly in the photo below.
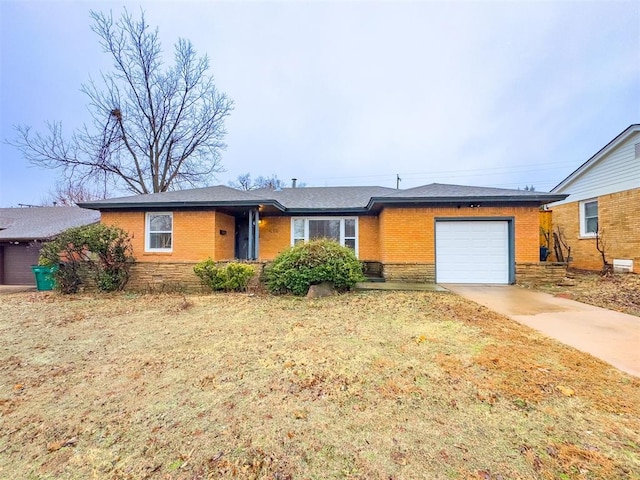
(603, 203)
(615, 168)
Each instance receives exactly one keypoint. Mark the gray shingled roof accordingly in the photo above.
(324, 198)
(440, 190)
(321, 199)
(42, 223)
(207, 195)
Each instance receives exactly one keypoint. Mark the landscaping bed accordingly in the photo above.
(619, 292)
(367, 385)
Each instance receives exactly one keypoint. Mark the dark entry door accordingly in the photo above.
(242, 238)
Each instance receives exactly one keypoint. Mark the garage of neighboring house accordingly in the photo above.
(16, 263)
(474, 251)
(22, 232)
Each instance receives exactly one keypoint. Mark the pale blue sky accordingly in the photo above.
(501, 94)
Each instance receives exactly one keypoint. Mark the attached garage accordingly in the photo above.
(474, 251)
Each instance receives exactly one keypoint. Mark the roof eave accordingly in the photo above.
(186, 204)
(539, 199)
(344, 210)
(29, 239)
(621, 137)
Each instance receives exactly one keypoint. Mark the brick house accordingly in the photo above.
(443, 233)
(603, 200)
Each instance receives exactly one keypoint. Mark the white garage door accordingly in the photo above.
(472, 252)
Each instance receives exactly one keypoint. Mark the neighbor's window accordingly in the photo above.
(342, 230)
(589, 218)
(159, 237)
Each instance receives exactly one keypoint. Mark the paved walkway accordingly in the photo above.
(611, 336)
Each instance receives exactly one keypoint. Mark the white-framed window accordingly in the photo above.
(158, 232)
(343, 230)
(589, 218)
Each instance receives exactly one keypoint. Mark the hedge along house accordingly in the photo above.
(603, 199)
(433, 233)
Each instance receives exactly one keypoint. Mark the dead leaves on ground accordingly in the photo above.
(619, 292)
(515, 366)
(272, 372)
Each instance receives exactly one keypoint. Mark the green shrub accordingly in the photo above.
(306, 264)
(232, 278)
(98, 251)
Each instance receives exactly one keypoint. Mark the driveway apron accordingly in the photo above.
(611, 336)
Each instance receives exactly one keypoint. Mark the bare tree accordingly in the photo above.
(68, 193)
(245, 182)
(154, 128)
(560, 246)
(601, 246)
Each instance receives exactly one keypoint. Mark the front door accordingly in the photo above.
(242, 238)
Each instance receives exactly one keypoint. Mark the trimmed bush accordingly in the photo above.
(232, 278)
(98, 251)
(306, 264)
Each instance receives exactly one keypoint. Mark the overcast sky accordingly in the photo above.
(502, 94)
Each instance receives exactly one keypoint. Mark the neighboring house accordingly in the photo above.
(22, 231)
(444, 233)
(604, 200)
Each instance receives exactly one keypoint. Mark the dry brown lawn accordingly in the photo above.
(376, 385)
(619, 292)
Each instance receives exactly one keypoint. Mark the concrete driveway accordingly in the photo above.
(16, 288)
(611, 336)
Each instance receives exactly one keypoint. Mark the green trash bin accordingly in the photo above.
(44, 277)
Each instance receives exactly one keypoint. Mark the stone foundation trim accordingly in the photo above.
(175, 277)
(409, 272)
(540, 273)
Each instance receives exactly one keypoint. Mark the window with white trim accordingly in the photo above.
(589, 218)
(159, 232)
(343, 230)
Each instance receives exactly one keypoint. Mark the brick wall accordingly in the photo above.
(225, 245)
(368, 238)
(401, 238)
(619, 222)
(407, 235)
(275, 236)
(195, 235)
(540, 273)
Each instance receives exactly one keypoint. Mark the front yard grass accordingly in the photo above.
(374, 385)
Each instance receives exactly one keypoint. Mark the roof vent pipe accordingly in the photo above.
(293, 182)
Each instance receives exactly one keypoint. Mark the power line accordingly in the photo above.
(476, 172)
